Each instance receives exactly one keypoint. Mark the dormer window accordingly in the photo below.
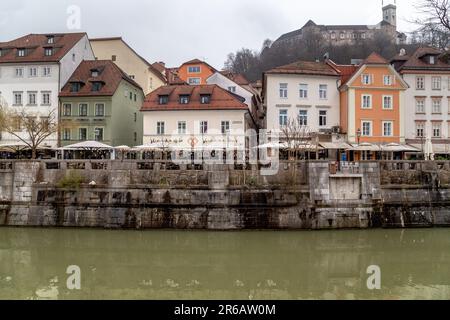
(96, 86)
(205, 99)
(21, 52)
(184, 99)
(163, 99)
(94, 73)
(75, 87)
(432, 60)
(50, 39)
(48, 52)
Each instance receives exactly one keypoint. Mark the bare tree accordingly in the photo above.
(32, 130)
(297, 138)
(434, 23)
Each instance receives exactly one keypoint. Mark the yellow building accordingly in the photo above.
(139, 69)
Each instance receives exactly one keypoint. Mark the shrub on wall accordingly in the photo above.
(72, 180)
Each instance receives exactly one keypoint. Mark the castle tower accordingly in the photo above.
(390, 14)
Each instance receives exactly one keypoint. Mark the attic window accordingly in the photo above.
(432, 60)
(75, 87)
(164, 99)
(184, 99)
(21, 52)
(94, 73)
(205, 99)
(48, 52)
(50, 39)
(96, 86)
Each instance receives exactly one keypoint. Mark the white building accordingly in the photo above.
(427, 100)
(306, 92)
(34, 68)
(198, 116)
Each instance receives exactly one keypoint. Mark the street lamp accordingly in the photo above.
(359, 134)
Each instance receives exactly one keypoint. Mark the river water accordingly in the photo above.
(414, 264)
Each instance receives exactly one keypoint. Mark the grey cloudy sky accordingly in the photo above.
(178, 30)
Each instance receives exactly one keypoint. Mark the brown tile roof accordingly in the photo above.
(35, 45)
(221, 99)
(109, 74)
(375, 58)
(238, 78)
(198, 61)
(305, 67)
(415, 62)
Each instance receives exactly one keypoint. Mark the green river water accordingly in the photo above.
(414, 264)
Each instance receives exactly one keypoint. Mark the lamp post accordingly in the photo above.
(359, 134)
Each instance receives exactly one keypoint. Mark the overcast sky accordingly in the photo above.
(175, 31)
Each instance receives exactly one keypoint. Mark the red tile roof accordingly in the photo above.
(109, 74)
(415, 62)
(238, 78)
(375, 58)
(305, 67)
(35, 45)
(198, 61)
(220, 99)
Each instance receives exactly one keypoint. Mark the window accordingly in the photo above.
(303, 91)
(437, 104)
(32, 98)
(436, 83)
(74, 57)
(225, 126)
(387, 102)
(98, 134)
(33, 72)
(50, 39)
(194, 69)
(163, 99)
(303, 118)
(388, 80)
(388, 128)
(96, 86)
(204, 127)
(322, 118)
(181, 127)
(131, 95)
(366, 128)
(323, 91)
(17, 98)
(17, 124)
(283, 118)
(47, 71)
(100, 110)
(184, 99)
(67, 110)
(75, 87)
(432, 59)
(342, 36)
(366, 101)
(82, 134)
(194, 81)
(66, 136)
(135, 117)
(232, 89)
(333, 35)
(367, 79)
(363, 35)
(420, 105)
(205, 99)
(420, 83)
(48, 51)
(21, 52)
(420, 130)
(283, 90)
(114, 58)
(160, 128)
(19, 73)
(83, 110)
(436, 128)
(46, 98)
(132, 76)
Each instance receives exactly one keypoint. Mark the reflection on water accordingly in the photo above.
(232, 265)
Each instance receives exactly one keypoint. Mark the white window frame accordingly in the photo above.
(283, 90)
(323, 117)
(194, 81)
(420, 106)
(436, 83)
(390, 80)
(434, 105)
(160, 128)
(225, 126)
(95, 134)
(285, 117)
(182, 127)
(436, 126)
(370, 100)
(323, 92)
(370, 122)
(204, 127)
(79, 134)
(365, 77)
(420, 126)
(420, 83)
(303, 118)
(383, 128)
(391, 98)
(303, 91)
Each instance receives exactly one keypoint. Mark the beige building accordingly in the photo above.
(137, 68)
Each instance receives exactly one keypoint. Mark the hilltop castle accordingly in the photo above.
(350, 34)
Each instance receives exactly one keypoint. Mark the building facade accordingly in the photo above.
(349, 34)
(373, 103)
(100, 102)
(195, 72)
(137, 68)
(33, 69)
(427, 72)
(197, 116)
(303, 92)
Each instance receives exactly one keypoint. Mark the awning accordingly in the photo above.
(365, 147)
(436, 148)
(335, 145)
(88, 145)
(394, 147)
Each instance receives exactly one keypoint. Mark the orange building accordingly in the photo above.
(195, 72)
(372, 102)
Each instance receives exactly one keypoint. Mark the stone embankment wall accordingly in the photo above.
(151, 195)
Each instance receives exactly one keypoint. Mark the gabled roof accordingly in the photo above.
(220, 99)
(237, 78)
(198, 61)
(307, 68)
(35, 46)
(415, 62)
(110, 75)
(150, 66)
(375, 58)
